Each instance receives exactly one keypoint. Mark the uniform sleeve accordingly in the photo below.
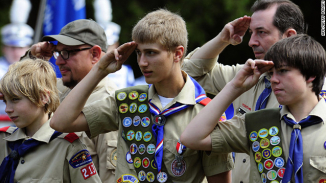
(217, 163)
(230, 136)
(81, 167)
(102, 116)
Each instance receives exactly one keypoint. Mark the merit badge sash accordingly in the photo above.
(264, 133)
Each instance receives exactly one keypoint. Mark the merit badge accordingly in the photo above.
(128, 158)
(133, 95)
(130, 135)
(153, 164)
(151, 149)
(141, 175)
(277, 151)
(138, 136)
(133, 107)
(81, 158)
(263, 177)
(128, 178)
(264, 143)
(260, 167)
(253, 136)
(162, 177)
(273, 131)
(145, 121)
(279, 162)
(146, 162)
(141, 149)
(258, 157)
(255, 146)
(136, 120)
(275, 140)
(123, 108)
(114, 157)
(178, 167)
(147, 136)
(121, 96)
(133, 149)
(150, 177)
(280, 172)
(262, 133)
(126, 122)
(271, 175)
(142, 97)
(137, 162)
(159, 120)
(142, 108)
(268, 164)
(267, 153)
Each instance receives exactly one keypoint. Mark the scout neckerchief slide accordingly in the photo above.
(295, 160)
(19, 149)
(262, 100)
(160, 119)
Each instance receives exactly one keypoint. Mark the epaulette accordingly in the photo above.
(8, 129)
(205, 101)
(70, 137)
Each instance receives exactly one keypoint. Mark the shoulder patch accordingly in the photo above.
(71, 137)
(81, 158)
(205, 101)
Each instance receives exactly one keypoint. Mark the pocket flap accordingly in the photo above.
(318, 162)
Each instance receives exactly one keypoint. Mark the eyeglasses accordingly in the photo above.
(65, 53)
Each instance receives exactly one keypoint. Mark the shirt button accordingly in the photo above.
(244, 160)
(241, 181)
(22, 161)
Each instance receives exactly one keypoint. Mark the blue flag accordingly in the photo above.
(57, 14)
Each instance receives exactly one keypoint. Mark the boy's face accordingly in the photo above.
(155, 62)
(22, 111)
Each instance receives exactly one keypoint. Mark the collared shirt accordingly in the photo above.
(48, 162)
(102, 116)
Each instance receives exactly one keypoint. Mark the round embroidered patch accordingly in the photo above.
(279, 162)
(263, 177)
(138, 136)
(262, 133)
(121, 96)
(277, 151)
(268, 164)
(280, 172)
(142, 108)
(136, 120)
(137, 162)
(141, 175)
(258, 157)
(178, 168)
(255, 146)
(146, 162)
(271, 175)
(113, 157)
(273, 131)
(147, 136)
(128, 158)
(133, 95)
(264, 143)
(267, 153)
(123, 108)
(133, 148)
(141, 149)
(130, 135)
(153, 164)
(151, 149)
(253, 136)
(162, 177)
(142, 97)
(133, 107)
(145, 121)
(150, 177)
(126, 122)
(260, 167)
(275, 140)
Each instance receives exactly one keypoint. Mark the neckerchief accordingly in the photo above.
(262, 100)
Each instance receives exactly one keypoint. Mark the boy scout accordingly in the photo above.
(291, 141)
(149, 118)
(33, 151)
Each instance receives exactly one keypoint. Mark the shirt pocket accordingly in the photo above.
(111, 161)
(319, 162)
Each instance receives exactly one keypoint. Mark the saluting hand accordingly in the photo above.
(43, 50)
(234, 31)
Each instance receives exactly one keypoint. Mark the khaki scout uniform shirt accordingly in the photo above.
(231, 135)
(103, 116)
(48, 162)
(213, 76)
(103, 147)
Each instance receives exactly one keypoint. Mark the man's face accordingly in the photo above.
(76, 67)
(13, 53)
(263, 33)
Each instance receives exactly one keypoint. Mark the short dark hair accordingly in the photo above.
(301, 52)
(287, 15)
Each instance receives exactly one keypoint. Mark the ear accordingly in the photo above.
(178, 53)
(290, 32)
(45, 97)
(311, 79)
(96, 52)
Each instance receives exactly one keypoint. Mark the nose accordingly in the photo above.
(142, 61)
(60, 61)
(9, 108)
(253, 41)
(274, 78)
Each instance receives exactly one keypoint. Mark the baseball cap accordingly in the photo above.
(17, 35)
(80, 32)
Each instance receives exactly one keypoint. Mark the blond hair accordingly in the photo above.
(162, 26)
(33, 79)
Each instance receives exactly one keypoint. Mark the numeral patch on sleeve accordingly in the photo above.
(88, 171)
